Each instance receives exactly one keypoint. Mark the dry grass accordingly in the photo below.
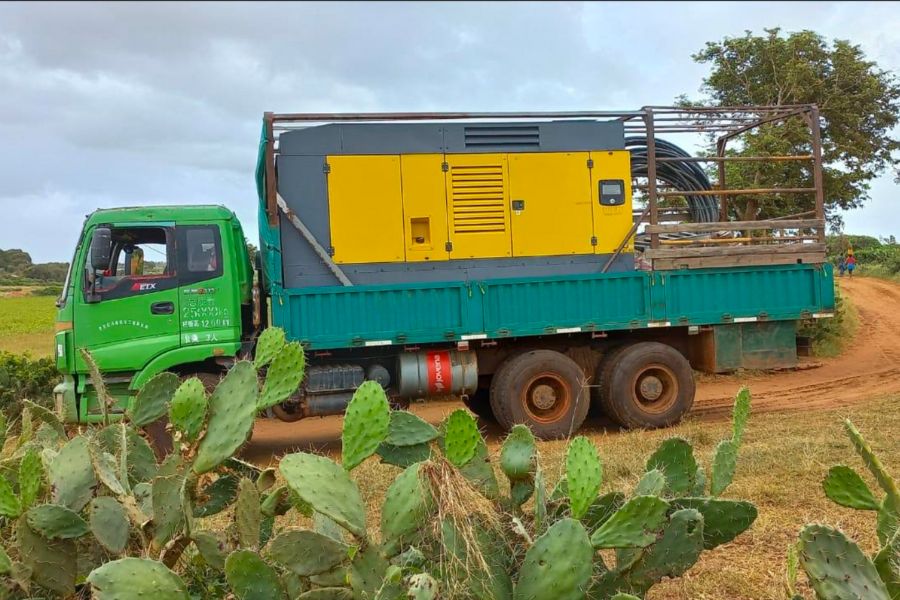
(782, 462)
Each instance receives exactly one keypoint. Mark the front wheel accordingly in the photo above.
(646, 385)
(542, 389)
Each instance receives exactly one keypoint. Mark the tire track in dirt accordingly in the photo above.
(868, 368)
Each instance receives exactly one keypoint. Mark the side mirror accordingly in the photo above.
(101, 248)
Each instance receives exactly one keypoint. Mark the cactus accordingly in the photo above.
(479, 473)
(168, 514)
(723, 467)
(45, 416)
(540, 501)
(334, 578)
(106, 467)
(276, 503)
(844, 486)
(250, 578)
(247, 516)
(232, 409)
(306, 552)
(517, 455)
(406, 429)
(461, 437)
(136, 579)
(558, 565)
(56, 522)
(52, 563)
(739, 415)
(634, 525)
(266, 479)
(366, 424)
(675, 458)
(366, 572)
(268, 345)
(699, 482)
(723, 520)
(327, 488)
(584, 474)
(406, 506)
(10, 505)
(836, 567)
(187, 412)
(422, 586)
(651, 484)
(152, 401)
(71, 475)
(875, 467)
(602, 509)
(677, 550)
(210, 547)
(5, 563)
(403, 456)
(411, 558)
(217, 496)
(283, 376)
(109, 524)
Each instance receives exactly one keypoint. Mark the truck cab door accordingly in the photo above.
(128, 313)
(210, 311)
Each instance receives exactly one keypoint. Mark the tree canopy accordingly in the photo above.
(859, 105)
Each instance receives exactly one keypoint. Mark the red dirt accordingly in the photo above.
(868, 368)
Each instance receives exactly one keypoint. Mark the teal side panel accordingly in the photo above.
(764, 345)
(592, 302)
(376, 315)
(720, 295)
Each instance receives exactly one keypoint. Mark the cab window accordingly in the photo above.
(199, 253)
(140, 262)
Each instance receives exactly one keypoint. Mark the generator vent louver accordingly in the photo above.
(478, 199)
(503, 136)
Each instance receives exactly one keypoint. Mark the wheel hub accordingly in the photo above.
(543, 396)
(651, 387)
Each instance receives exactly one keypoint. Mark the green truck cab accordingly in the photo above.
(495, 258)
(167, 288)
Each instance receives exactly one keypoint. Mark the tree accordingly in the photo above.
(858, 101)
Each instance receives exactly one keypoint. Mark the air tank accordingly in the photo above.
(437, 373)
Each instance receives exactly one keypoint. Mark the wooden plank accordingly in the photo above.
(736, 226)
(735, 240)
(668, 264)
(735, 251)
(738, 192)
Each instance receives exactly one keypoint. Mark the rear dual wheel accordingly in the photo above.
(542, 389)
(645, 385)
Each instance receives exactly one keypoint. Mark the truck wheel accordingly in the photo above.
(542, 389)
(647, 384)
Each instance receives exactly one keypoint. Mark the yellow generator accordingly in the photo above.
(405, 202)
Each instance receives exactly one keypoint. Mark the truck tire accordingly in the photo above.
(646, 385)
(601, 378)
(542, 389)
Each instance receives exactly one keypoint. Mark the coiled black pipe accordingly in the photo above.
(678, 175)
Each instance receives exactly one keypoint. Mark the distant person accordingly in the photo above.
(851, 264)
(842, 265)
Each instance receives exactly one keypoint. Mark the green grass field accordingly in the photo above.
(26, 324)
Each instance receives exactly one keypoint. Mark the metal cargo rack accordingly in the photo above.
(670, 239)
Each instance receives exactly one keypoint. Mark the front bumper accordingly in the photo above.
(65, 398)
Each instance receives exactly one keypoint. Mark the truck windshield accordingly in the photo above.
(61, 300)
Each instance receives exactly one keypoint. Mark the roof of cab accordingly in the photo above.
(207, 212)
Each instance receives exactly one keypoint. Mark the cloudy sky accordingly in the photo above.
(131, 104)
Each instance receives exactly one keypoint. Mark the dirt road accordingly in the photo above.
(869, 367)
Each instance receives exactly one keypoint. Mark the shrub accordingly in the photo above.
(24, 377)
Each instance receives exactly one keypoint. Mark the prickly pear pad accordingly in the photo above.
(327, 487)
(558, 565)
(836, 567)
(634, 525)
(232, 409)
(72, 476)
(250, 578)
(844, 486)
(584, 474)
(406, 429)
(152, 400)
(517, 454)
(10, 506)
(366, 424)
(723, 520)
(461, 437)
(675, 458)
(651, 484)
(307, 552)
(109, 523)
(406, 506)
(187, 411)
(56, 522)
(723, 467)
(268, 345)
(283, 376)
(136, 579)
